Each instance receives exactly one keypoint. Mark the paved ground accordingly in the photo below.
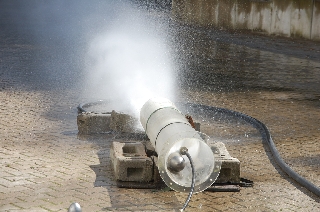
(45, 166)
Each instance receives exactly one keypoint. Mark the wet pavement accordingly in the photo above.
(45, 166)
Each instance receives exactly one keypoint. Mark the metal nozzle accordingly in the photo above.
(176, 162)
(75, 207)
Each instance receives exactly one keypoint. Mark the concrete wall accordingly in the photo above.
(297, 18)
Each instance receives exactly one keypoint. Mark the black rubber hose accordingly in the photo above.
(184, 151)
(265, 132)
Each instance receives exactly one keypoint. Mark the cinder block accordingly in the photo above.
(92, 123)
(122, 122)
(130, 162)
(156, 175)
(230, 167)
(95, 123)
(150, 151)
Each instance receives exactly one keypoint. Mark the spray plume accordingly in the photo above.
(130, 63)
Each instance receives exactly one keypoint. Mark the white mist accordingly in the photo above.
(130, 62)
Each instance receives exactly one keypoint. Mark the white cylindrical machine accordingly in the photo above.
(169, 131)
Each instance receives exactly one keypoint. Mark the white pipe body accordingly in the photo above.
(168, 131)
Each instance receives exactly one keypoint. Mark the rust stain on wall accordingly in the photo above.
(315, 31)
(208, 12)
(282, 4)
(298, 18)
(262, 14)
(178, 9)
(301, 18)
(244, 17)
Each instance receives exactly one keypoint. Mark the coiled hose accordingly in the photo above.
(266, 134)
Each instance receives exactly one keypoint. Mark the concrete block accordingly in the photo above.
(95, 123)
(150, 151)
(230, 167)
(156, 175)
(130, 162)
(92, 123)
(121, 122)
